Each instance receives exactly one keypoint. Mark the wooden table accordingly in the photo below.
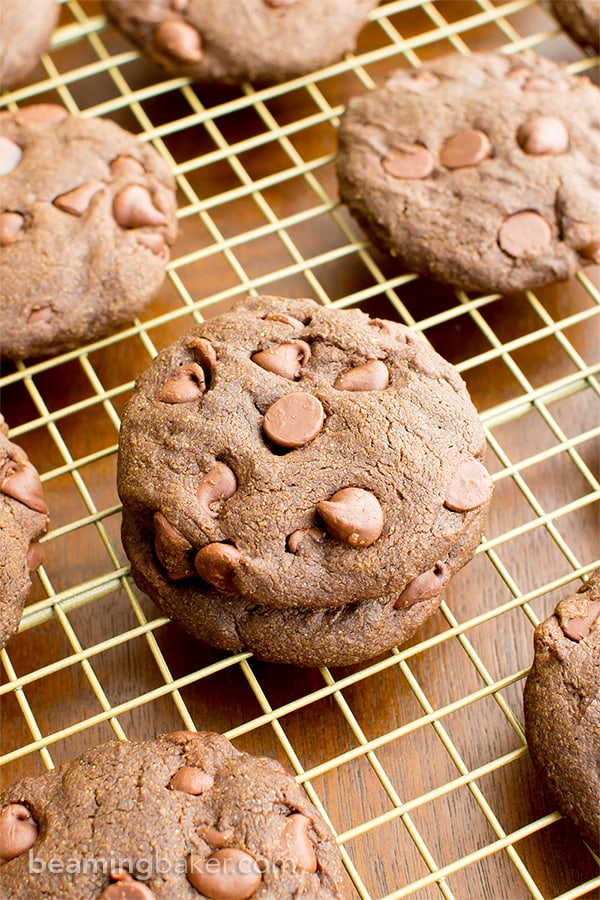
(418, 758)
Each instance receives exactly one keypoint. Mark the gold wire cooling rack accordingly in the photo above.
(418, 759)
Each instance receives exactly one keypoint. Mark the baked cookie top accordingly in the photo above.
(478, 171)
(303, 457)
(562, 707)
(23, 520)
(27, 26)
(260, 40)
(87, 214)
(181, 817)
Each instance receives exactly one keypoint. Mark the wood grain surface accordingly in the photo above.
(543, 525)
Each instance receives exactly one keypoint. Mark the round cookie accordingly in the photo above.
(562, 707)
(23, 520)
(581, 19)
(261, 40)
(87, 214)
(300, 482)
(479, 171)
(27, 26)
(181, 817)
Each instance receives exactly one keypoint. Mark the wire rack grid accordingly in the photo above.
(418, 759)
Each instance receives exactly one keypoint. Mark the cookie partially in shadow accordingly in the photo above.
(25, 30)
(228, 42)
(301, 482)
(182, 817)
(580, 19)
(87, 215)
(23, 520)
(562, 707)
(480, 171)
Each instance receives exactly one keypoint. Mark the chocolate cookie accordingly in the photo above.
(87, 214)
(477, 171)
(261, 40)
(23, 520)
(300, 482)
(562, 708)
(181, 817)
(25, 30)
(581, 19)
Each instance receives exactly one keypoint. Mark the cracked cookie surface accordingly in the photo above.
(479, 171)
(300, 481)
(87, 215)
(260, 40)
(23, 520)
(184, 816)
(562, 707)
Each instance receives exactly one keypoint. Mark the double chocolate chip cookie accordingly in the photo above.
(87, 214)
(260, 40)
(300, 482)
(480, 171)
(23, 520)
(581, 19)
(562, 707)
(182, 817)
(25, 30)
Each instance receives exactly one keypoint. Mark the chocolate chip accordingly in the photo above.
(10, 156)
(352, 516)
(133, 207)
(173, 550)
(20, 480)
(539, 85)
(286, 360)
(409, 161)
(544, 135)
(578, 627)
(215, 838)
(77, 201)
(191, 780)
(11, 226)
(18, 831)
(297, 846)
(179, 39)
(467, 148)
(591, 250)
(304, 536)
(425, 586)
(524, 234)
(294, 419)
(126, 888)
(126, 165)
(371, 376)
(218, 484)
(283, 317)
(217, 563)
(228, 874)
(187, 383)
(35, 556)
(204, 352)
(41, 114)
(155, 242)
(396, 330)
(470, 487)
(39, 315)
(278, 3)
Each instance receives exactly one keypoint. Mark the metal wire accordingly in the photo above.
(87, 52)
